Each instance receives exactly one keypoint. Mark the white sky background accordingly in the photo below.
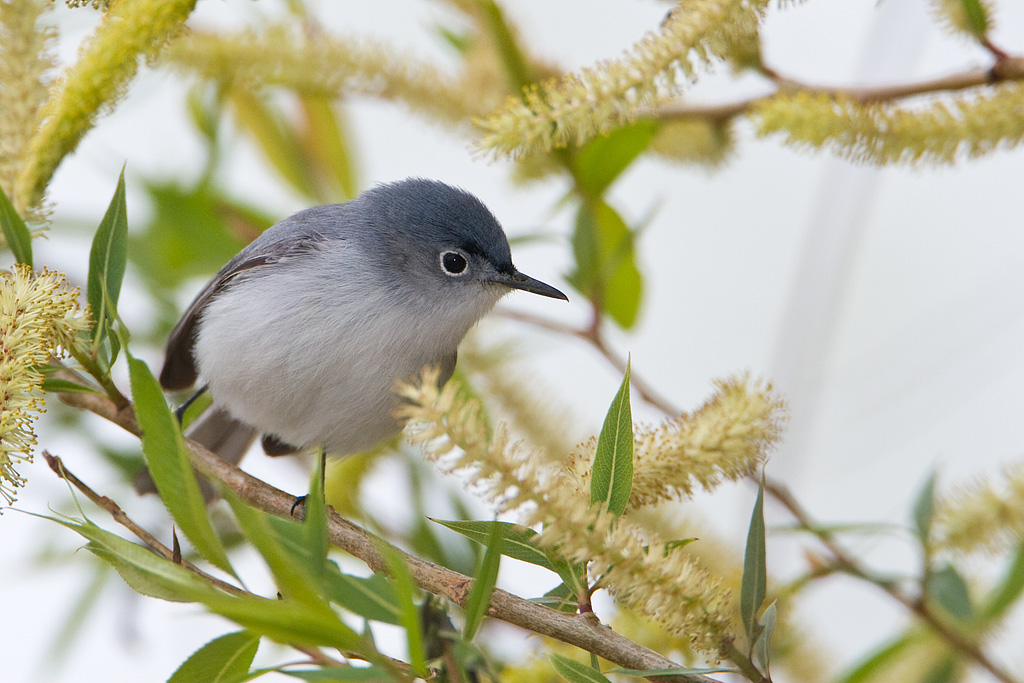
(886, 304)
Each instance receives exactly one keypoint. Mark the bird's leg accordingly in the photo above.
(179, 412)
(322, 479)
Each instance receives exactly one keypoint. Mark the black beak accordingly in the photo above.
(517, 280)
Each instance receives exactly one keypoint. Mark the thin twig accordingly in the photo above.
(583, 631)
(841, 559)
(844, 562)
(1006, 69)
(592, 335)
(119, 516)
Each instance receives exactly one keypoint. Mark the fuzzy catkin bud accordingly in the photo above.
(39, 317)
(639, 568)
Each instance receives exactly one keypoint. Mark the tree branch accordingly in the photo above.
(840, 559)
(1006, 69)
(583, 631)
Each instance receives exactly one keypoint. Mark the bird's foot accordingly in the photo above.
(299, 501)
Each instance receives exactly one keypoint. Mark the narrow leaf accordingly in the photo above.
(288, 621)
(337, 674)
(754, 584)
(314, 524)
(483, 585)
(763, 645)
(575, 672)
(1006, 591)
(143, 570)
(326, 140)
(674, 671)
(168, 461)
(561, 598)
(611, 479)
(605, 270)
(291, 571)
(924, 509)
(271, 132)
(59, 385)
(373, 598)
(223, 660)
(604, 158)
(977, 19)
(879, 663)
(517, 540)
(16, 233)
(410, 616)
(949, 590)
(108, 259)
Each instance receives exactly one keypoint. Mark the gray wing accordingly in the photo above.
(179, 371)
(280, 242)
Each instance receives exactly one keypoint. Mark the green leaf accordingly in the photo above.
(343, 674)
(326, 143)
(949, 590)
(292, 573)
(977, 20)
(223, 660)
(372, 597)
(948, 669)
(924, 509)
(289, 621)
(108, 259)
(142, 569)
(483, 585)
(674, 671)
(59, 385)
(754, 585)
(314, 523)
(191, 233)
(604, 158)
(517, 540)
(410, 615)
(16, 233)
(611, 480)
(763, 645)
(272, 133)
(561, 598)
(877, 665)
(518, 70)
(168, 461)
(605, 262)
(1006, 592)
(575, 672)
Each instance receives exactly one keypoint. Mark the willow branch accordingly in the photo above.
(844, 562)
(583, 631)
(119, 516)
(593, 336)
(840, 558)
(1007, 69)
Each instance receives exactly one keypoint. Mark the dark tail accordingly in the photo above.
(217, 431)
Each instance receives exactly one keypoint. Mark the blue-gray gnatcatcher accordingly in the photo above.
(302, 336)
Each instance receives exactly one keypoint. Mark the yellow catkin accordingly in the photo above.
(965, 125)
(597, 99)
(984, 516)
(326, 65)
(39, 317)
(26, 58)
(640, 569)
(130, 29)
(953, 17)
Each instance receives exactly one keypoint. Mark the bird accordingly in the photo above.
(302, 336)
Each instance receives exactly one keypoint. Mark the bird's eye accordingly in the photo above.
(453, 263)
